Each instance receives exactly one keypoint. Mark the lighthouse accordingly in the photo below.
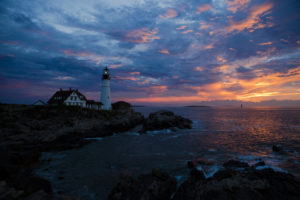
(105, 90)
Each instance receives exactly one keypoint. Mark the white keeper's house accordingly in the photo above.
(72, 97)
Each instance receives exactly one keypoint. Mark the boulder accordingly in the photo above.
(277, 148)
(124, 122)
(29, 183)
(259, 164)
(155, 186)
(249, 184)
(164, 119)
(7, 192)
(200, 161)
(235, 164)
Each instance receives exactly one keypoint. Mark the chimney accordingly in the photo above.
(70, 89)
(60, 89)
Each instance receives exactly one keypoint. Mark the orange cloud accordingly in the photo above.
(143, 35)
(235, 5)
(170, 13)
(298, 42)
(70, 52)
(223, 69)
(64, 78)
(200, 69)
(265, 43)
(157, 89)
(264, 87)
(204, 8)
(115, 66)
(221, 59)
(265, 53)
(135, 73)
(202, 27)
(164, 51)
(209, 46)
(187, 31)
(127, 78)
(253, 21)
(181, 27)
(273, 86)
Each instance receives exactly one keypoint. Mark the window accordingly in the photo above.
(75, 98)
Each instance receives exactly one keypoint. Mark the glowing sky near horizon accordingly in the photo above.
(172, 51)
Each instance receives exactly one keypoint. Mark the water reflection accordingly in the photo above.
(217, 135)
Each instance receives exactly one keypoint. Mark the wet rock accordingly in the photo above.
(235, 164)
(277, 148)
(29, 183)
(189, 189)
(200, 161)
(224, 174)
(124, 122)
(9, 193)
(192, 164)
(164, 119)
(158, 185)
(40, 195)
(197, 175)
(246, 184)
(260, 163)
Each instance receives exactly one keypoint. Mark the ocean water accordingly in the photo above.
(218, 134)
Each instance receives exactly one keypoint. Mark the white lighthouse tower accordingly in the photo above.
(105, 90)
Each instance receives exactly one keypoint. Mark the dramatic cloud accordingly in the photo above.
(165, 51)
(174, 51)
(253, 20)
(236, 5)
(203, 8)
(143, 35)
(170, 13)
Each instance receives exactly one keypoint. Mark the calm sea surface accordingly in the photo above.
(217, 135)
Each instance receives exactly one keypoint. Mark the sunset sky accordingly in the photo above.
(172, 51)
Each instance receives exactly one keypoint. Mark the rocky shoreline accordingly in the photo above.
(237, 180)
(26, 131)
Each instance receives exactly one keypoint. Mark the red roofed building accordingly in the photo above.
(73, 97)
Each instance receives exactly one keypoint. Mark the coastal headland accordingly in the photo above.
(27, 131)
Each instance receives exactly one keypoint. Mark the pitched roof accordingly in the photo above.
(61, 95)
